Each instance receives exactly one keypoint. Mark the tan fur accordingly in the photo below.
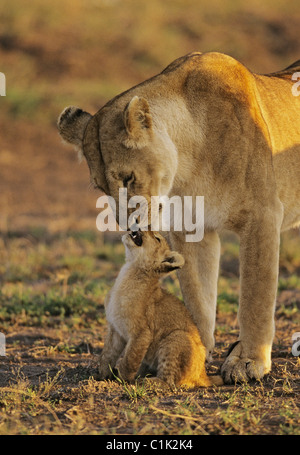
(149, 325)
(208, 126)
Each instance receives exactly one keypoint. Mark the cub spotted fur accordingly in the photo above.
(148, 325)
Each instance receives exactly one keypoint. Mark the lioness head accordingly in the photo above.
(150, 251)
(125, 145)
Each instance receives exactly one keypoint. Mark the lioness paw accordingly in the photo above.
(239, 367)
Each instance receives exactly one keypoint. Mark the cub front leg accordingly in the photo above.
(135, 351)
(250, 357)
(113, 347)
(199, 281)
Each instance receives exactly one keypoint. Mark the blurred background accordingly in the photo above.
(60, 52)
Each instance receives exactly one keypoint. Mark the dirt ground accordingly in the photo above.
(53, 391)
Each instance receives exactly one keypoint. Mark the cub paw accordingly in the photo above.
(123, 373)
(104, 372)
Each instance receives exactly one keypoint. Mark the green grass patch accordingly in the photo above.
(50, 309)
(291, 282)
(227, 302)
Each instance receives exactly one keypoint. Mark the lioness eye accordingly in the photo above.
(157, 238)
(128, 179)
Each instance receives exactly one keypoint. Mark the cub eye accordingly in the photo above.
(157, 238)
(128, 179)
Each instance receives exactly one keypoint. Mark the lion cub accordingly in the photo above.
(148, 325)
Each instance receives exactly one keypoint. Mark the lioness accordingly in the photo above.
(208, 126)
(149, 325)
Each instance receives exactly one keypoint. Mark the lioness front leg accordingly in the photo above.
(199, 280)
(134, 353)
(113, 347)
(259, 253)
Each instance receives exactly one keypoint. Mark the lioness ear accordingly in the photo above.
(138, 123)
(173, 261)
(81, 129)
(71, 125)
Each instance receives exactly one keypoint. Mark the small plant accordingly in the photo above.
(132, 391)
(45, 388)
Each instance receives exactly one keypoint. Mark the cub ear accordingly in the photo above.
(71, 126)
(138, 123)
(173, 261)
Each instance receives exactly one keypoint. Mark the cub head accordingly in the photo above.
(150, 251)
(125, 145)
